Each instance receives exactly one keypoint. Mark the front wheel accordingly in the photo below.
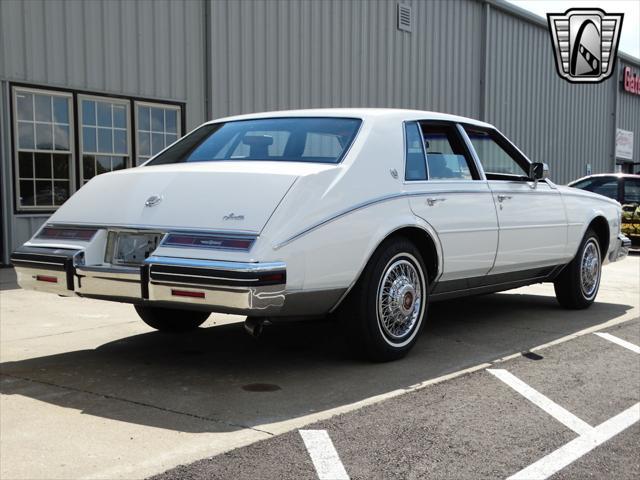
(577, 286)
(171, 320)
(387, 307)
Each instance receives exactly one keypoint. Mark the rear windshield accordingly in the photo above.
(301, 139)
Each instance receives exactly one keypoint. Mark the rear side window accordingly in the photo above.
(415, 165)
(447, 158)
(631, 190)
(607, 186)
(299, 139)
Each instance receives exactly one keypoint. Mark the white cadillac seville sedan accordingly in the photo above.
(369, 212)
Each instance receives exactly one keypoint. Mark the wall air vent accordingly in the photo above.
(404, 17)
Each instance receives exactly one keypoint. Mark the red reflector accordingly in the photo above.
(274, 277)
(187, 293)
(46, 278)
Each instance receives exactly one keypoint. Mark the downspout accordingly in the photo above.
(207, 60)
(484, 90)
(6, 162)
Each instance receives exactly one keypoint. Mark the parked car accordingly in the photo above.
(367, 214)
(625, 188)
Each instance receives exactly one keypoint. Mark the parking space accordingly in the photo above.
(473, 426)
(88, 390)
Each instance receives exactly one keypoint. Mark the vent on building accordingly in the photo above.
(404, 17)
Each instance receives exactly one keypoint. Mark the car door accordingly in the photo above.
(531, 215)
(446, 190)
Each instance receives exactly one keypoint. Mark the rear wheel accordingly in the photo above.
(171, 320)
(577, 286)
(387, 307)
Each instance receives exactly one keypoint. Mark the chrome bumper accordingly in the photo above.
(620, 249)
(228, 287)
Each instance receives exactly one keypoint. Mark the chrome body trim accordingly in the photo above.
(152, 228)
(228, 287)
(27, 279)
(122, 282)
(368, 203)
(620, 249)
(217, 264)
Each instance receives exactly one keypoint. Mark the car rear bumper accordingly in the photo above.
(231, 287)
(620, 249)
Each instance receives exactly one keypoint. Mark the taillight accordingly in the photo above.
(63, 233)
(213, 241)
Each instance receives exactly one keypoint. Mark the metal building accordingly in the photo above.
(88, 87)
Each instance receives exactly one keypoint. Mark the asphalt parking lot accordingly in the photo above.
(87, 390)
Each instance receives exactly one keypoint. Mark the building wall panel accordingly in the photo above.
(145, 48)
(563, 124)
(277, 54)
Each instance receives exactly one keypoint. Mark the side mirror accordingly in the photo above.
(538, 171)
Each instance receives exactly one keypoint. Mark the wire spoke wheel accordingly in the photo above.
(590, 269)
(400, 299)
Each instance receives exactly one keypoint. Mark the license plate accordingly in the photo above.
(132, 248)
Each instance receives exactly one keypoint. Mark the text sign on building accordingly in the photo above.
(624, 144)
(631, 81)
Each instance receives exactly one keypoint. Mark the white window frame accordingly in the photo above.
(165, 106)
(102, 98)
(16, 147)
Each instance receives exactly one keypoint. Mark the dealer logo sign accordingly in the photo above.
(585, 41)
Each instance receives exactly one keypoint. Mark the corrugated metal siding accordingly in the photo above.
(277, 54)
(629, 110)
(563, 124)
(142, 48)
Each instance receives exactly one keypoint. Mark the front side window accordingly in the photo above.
(157, 127)
(498, 159)
(104, 141)
(301, 139)
(43, 127)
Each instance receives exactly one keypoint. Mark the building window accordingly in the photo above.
(104, 143)
(43, 143)
(54, 152)
(157, 126)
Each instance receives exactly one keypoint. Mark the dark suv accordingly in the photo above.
(624, 188)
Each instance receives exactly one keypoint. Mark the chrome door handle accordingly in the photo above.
(431, 201)
(502, 198)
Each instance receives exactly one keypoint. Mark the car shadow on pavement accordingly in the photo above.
(226, 380)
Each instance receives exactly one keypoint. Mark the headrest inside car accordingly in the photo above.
(257, 140)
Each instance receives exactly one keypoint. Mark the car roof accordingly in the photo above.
(374, 114)
(595, 175)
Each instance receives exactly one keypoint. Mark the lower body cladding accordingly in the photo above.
(255, 289)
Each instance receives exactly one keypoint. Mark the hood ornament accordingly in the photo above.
(153, 200)
(233, 216)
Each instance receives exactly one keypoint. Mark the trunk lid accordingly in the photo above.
(221, 196)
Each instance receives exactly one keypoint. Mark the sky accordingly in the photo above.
(630, 35)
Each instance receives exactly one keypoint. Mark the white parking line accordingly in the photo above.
(323, 455)
(619, 341)
(563, 456)
(561, 414)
